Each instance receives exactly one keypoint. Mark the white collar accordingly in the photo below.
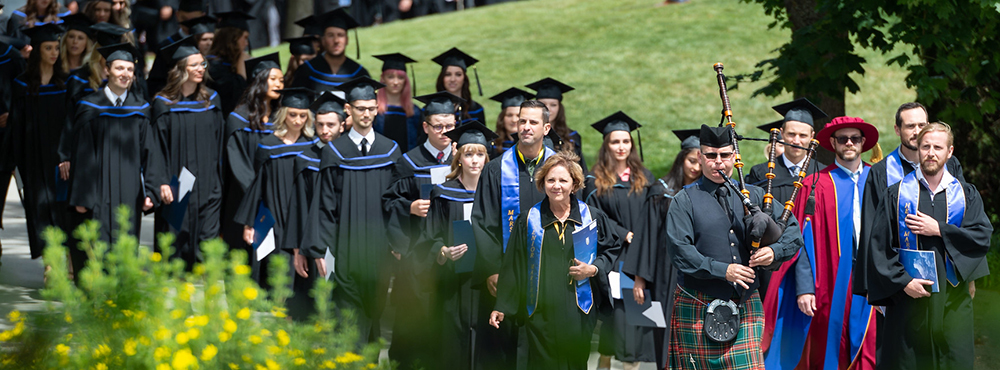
(112, 97)
(789, 163)
(356, 137)
(946, 179)
(430, 148)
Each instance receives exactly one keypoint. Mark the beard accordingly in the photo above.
(931, 166)
(906, 143)
(846, 155)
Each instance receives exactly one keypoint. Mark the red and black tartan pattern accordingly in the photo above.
(690, 349)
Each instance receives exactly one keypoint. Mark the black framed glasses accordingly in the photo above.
(713, 156)
(440, 128)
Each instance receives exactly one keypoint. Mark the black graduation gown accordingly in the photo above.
(18, 19)
(229, 84)
(625, 213)
(300, 228)
(157, 77)
(456, 305)
(77, 86)
(412, 291)
(114, 145)
(36, 123)
(558, 332)
(397, 126)
(352, 223)
(874, 192)
(476, 112)
(189, 135)
(11, 65)
(781, 187)
(240, 170)
(272, 186)
(648, 258)
(315, 74)
(934, 332)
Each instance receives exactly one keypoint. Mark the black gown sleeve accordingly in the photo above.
(83, 193)
(396, 203)
(967, 245)
(151, 162)
(513, 273)
(886, 275)
(247, 211)
(486, 222)
(646, 250)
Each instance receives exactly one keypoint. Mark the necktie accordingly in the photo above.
(440, 157)
(794, 170)
(722, 195)
(118, 102)
(364, 147)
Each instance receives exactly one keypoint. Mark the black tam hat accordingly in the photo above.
(689, 138)
(107, 34)
(43, 33)
(296, 97)
(329, 102)
(394, 61)
(235, 19)
(716, 137)
(801, 110)
(361, 88)
(512, 97)
(455, 57)
(302, 45)
(441, 102)
(124, 51)
(181, 49)
(773, 125)
(200, 25)
(261, 64)
(549, 88)
(473, 132)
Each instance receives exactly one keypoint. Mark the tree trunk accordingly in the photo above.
(297, 9)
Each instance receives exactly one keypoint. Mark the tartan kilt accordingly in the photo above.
(690, 349)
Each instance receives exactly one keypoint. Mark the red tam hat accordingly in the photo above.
(867, 130)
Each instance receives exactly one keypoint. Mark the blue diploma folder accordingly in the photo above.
(920, 265)
(462, 230)
(262, 225)
(62, 187)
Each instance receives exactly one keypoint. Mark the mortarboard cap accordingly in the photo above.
(310, 26)
(689, 138)
(512, 97)
(549, 88)
(17, 43)
(43, 33)
(181, 49)
(235, 19)
(394, 61)
(301, 45)
(123, 51)
(296, 97)
(338, 18)
(801, 110)
(107, 34)
(441, 102)
(618, 121)
(329, 102)
(716, 137)
(261, 64)
(455, 57)
(78, 22)
(768, 126)
(200, 25)
(192, 6)
(361, 88)
(473, 132)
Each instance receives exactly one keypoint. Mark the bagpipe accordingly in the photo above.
(762, 228)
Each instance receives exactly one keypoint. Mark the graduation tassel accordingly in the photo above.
(480, 86)
(413, 82)
(357, 44)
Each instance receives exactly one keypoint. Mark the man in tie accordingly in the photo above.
(406, 203)
(707, 233)
(817, 284)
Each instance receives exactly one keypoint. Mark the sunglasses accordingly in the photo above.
(713, 156)
(842, 140)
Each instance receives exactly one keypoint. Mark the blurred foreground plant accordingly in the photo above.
(135, 309)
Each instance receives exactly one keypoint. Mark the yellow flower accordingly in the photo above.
(194, 333)
(283, 338)
(110, 303)
(243, 314)
(233, 366)
(199, 269)
(14, 315)
(69, 319)
(183, 360)
(161, 353)
(162, 367)
(101, 350)
(370, 366)
(101, 366)
(156, 257)
(319, 351)
(189, 321)
(328, 365)
(295, 353)
(209, 352)
(265, 332)
(6, 335)
(161, 333)
(279, 312)
(182, 338)
(176, 314)
(250, 293)
(229, 326)
(224, 336)
(201, 320)
(300, 361)
(140, 315)
(224, 315)
(271, 365)
(274, 350)
(18, 328)
(242, 270)
(144, 340)
(130, 346)
(255, 339)
(62, 349)
(349, 357)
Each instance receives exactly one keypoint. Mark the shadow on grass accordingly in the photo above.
(986, 306)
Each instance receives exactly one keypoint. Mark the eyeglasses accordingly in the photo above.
(842, 140)
(366, 109)
(203, 64)
(713, 156)
(440, 128)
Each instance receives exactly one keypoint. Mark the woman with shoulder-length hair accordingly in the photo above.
(34, 13)
(550, 273)
(273, 187)
(618, 186)
(398, 118)
(37, 119)
(187, 123)
(454, 79)
(76, 45)
(226, 68)
(550, 91)
(246, 126)
(510, 105)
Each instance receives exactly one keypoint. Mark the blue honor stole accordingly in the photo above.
(894, 168)
(510, 192)
(587, 250)
(909, 196)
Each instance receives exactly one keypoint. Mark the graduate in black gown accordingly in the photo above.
(454, 78)
(115, 143)
(910, 118)
(618, 187)
(456, 305)
(550, 91)
(331, 67)
(302, 49)
(188, 125)
(246, 126)
(506, 189)
(548, 280)
(798, 129)
(199, 28)
(647, 261)
(76, 43)
(407, 207)
(398, 119)
(924, 329)
(36, 120)
(273, 187)
(510, 103)
(33, 14)
(226, 67)
(356, 169)
(11, 66)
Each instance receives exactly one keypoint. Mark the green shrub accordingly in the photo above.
(134, 309)
(992, 281)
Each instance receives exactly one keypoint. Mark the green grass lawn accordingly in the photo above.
(654, 63)
(987, 309)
